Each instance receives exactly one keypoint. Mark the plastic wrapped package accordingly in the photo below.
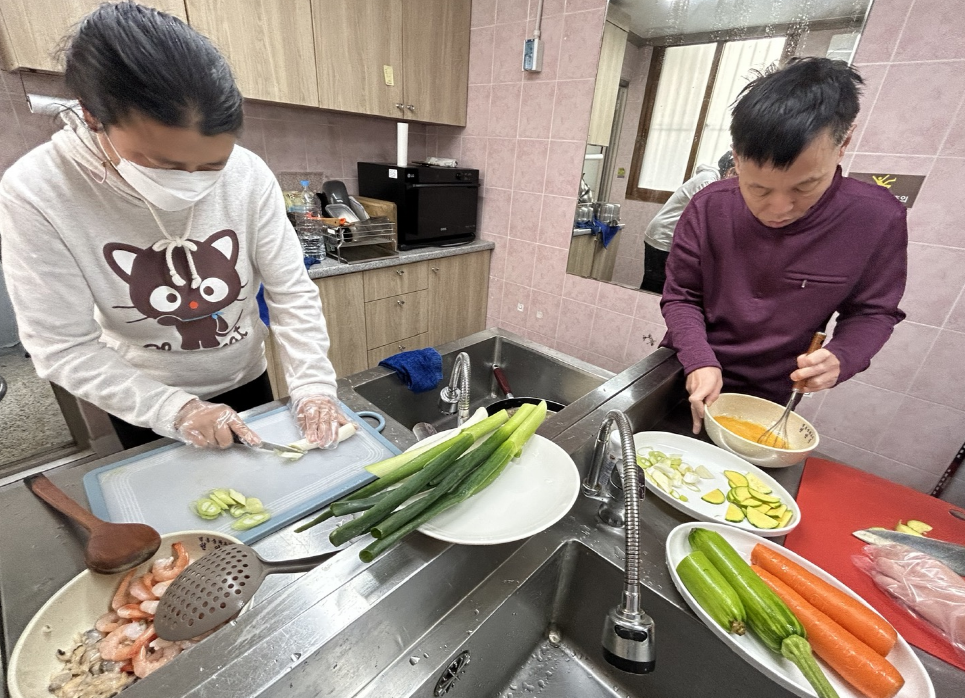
(925, 587)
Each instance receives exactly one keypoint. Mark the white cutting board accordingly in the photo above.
(157, 488)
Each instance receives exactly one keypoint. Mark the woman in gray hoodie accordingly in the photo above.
(136, 239)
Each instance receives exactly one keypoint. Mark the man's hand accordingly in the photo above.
(821, 370)
(704, 385)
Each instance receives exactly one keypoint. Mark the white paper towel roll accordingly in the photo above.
(402, 146)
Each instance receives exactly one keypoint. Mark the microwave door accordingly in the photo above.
(444, 211)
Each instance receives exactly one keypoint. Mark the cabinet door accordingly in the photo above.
(357, 45)
(435, 41)
(391, 319)
(607, 84)
(420, 341)
(33, 29)
(345, 316)
(459, 293)
(269, 44)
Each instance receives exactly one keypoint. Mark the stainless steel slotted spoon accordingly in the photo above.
(213, 590)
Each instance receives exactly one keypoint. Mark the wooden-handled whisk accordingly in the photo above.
(776, 435)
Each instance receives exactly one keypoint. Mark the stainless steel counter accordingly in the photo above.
(288, 643)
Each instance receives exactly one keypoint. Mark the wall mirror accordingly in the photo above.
(669, 71)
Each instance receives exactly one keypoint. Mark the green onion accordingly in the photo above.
(249, 521)
(450, 451)
(451, 478)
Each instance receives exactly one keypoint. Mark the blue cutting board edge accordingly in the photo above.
(279, 520)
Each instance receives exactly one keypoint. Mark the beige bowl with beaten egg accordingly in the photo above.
(75, 608)
(801, 435)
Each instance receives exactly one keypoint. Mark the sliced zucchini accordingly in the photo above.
(734, 514)
(735, 478)
(759, 520)
(714, 497)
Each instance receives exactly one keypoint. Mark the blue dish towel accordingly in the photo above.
(420, 370)
(606, 232)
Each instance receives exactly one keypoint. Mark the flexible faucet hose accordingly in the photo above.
(631, 490)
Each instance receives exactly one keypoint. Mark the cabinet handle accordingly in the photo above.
(435, 269)
(410, 107)
(399, 105)
(401, 302)
(400, 272)
(402, 347)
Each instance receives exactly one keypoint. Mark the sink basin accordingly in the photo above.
(532, 370)
(529, 630)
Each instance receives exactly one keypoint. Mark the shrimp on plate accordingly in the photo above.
(168, 568)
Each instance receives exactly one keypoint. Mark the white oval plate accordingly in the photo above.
(534, 492)
(756, 653)
(716, 460)
(75, 608)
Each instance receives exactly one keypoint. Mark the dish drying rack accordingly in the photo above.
(361, 241)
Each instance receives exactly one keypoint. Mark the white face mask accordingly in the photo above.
(169, 190)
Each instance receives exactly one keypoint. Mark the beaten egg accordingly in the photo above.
(752, 431)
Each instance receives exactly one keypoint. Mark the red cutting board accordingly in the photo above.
(836, 500)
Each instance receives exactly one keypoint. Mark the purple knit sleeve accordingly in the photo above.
(868, 317)
(683, 295)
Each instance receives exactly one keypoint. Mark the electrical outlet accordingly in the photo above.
(519, 307)
(539, 314)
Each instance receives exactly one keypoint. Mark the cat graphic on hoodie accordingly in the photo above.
(184, 284)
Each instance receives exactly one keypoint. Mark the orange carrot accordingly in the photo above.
(866, 670)
(846, 611)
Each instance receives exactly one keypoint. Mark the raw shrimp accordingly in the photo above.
(109, 622)
(119, 644)
(159, 589)
(121, 596)
(141, 588)
(168, 568)
(149, 659)
(132, 611)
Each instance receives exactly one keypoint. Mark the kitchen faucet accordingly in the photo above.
(455, 396)
(628, 639)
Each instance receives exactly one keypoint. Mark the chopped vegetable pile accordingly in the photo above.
(748, 497)
(249, 511)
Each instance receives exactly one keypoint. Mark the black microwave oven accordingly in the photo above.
(436, 205)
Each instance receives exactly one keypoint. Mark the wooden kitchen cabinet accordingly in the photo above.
(354, 42)
(459, 293)
(391, 319)
(31, 30)
(435, 43)
(420, 46)
(615, 33)
(269, 44)
(380, 312)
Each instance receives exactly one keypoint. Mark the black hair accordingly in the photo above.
(726, 163)
(125, 58)
(777, 115)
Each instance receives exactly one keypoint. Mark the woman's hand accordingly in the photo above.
(821, 370)
(704, 385)
(212, 425)
(319, 417)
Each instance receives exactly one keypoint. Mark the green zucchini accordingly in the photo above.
(712, 592)
(767, 616)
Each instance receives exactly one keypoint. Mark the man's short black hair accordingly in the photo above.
(777, 115)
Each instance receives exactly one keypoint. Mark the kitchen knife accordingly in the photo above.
(952, 555)
(270, 447)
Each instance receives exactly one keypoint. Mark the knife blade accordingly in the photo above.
(269, 446)
(952, 555)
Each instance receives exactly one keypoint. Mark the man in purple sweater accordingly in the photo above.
(761, 262)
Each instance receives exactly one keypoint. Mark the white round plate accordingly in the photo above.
(75, 608)
(756, 653)
(716, 460)
(534, 492)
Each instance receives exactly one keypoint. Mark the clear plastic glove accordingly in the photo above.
(212, 425)
(921, 584)
(319, 418)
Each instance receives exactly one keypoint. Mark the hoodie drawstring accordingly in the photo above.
(169, 244)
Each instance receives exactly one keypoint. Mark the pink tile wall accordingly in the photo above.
(904, 418)
(289, 139)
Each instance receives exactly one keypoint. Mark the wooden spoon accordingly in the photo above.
(111, 547)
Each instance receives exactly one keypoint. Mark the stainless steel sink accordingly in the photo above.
(534, 627)
(533, 371)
